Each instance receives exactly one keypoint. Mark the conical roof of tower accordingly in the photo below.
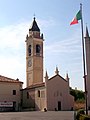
(87, 33)
(34, 26)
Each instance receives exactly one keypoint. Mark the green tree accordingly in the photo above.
(78, 94)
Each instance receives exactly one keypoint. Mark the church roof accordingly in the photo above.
(36, 85)
(10, 80)
(34, 26)
(59, 76)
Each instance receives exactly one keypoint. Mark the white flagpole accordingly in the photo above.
(84, 65)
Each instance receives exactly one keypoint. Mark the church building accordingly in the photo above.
(43, 93)
(10, 94)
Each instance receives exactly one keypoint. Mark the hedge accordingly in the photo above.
(84, 117)
(81, 115)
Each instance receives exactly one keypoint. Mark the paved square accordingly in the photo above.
(50, 115)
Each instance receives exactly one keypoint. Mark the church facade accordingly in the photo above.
(53, 94)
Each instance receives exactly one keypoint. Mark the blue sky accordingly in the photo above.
(62, 45)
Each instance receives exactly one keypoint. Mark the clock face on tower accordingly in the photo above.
(29, 63)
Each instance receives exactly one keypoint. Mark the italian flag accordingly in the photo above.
(77, 17)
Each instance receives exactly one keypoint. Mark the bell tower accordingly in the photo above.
(34, 55)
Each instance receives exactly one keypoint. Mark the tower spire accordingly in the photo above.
(34, 26)
(57, 72)
(67, 77)
(34, 15)
(87, 33)
(46, 75)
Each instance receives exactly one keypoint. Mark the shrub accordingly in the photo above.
(84, 117)
(79, 112)
(81, 115)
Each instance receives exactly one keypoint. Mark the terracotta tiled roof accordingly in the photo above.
(36, 85)
(6, 79)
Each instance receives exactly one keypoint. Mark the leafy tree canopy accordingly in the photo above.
(78, 94)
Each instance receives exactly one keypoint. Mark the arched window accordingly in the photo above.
(29, 50)
(38, 93)
(38, 48)
(27, 95)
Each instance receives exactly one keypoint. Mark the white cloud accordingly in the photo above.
(67, 54)
(13, 36)
(47, 23)
(71, 45)
(12, 49)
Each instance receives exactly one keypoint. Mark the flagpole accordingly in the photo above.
(84, 65)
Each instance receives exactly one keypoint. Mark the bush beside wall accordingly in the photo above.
(84, 117)
(81, 115)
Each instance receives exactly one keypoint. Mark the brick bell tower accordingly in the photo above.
(34, 55)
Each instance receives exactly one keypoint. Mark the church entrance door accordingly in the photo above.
(59, 105)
